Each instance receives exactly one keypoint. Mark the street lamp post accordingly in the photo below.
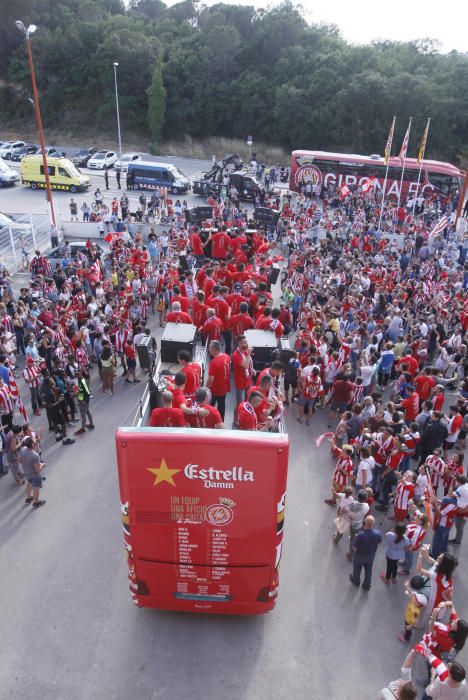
(27, 32)
(117, 108)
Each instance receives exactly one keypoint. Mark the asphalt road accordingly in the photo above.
(22, 200)
(70, 630)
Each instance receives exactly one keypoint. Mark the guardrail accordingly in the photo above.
(26, 234)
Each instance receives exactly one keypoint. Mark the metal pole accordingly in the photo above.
(117, 109)
(39, 126)
(461, 200)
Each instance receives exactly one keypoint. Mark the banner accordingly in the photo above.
(388, 147)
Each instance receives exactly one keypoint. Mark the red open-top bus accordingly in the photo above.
(203, 515)
(338, 169)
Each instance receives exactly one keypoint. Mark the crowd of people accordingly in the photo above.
(376, 319)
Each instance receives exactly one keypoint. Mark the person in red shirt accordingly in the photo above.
(196, 244)
(243, 370)
(180, 400)
(223, 276)
(409, 364)
(199, 309)
(246, 413)
(167, 417)
(219, 376)
(267, 406)
(130, 356)
(236, 298)
(269, 322)
(213, 419)
(223, 312)
(213, 326)
(208, 283)
(220, 242)
(183, 301)
(241, 322)
(424, 384)
(410, 405)
(192, 371)
(177, 315)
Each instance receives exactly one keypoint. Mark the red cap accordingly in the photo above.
(29, 360)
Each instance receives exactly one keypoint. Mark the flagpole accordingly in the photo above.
(388, 150)
(422, 151)
(404, 163)
(383, 196)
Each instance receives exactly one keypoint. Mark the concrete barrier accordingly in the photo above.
(82, 229)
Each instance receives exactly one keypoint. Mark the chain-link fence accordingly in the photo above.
(26, 233)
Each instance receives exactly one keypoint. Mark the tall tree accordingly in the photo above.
(156, 102)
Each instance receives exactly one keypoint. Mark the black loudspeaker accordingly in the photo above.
(274, 274)
(266, 216)
(264, 346)
(176, 337)
(285, 351)
(145, 352)
(198, 214)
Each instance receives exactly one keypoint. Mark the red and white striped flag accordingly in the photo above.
(388, 147)
(404, 145)
(345, 191)
(324, 436)
(14, 391)
(368, 185)
(439, 226)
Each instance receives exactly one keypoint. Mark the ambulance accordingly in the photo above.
(63, 175)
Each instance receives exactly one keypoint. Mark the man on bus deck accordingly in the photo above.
(180, 400)
(192, 371)
(178, 316)
(167, 417)
(247, 413)
(202, 400)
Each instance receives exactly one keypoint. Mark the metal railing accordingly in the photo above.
(27, 233)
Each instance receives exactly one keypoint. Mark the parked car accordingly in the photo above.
(53, 153)
(102, 160)
(8, 147)
(16, 226)
(122, 163)
(81, 157)
(8, 176)
(73, 247)
(29, 150)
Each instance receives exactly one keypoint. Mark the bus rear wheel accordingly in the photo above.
(34, 185)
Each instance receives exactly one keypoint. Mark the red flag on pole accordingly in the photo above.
(388, 147)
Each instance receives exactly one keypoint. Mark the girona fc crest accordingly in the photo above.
(308, 173)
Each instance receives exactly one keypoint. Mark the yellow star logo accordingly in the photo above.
(163, 473)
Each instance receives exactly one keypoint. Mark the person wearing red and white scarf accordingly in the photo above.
(7, 403)
(442, 638)
(31, 374)
(416, 531)
(404, 492)
(343, 473)
(437, 468)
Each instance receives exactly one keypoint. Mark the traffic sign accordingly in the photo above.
(249, 140)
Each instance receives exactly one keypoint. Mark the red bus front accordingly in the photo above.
(202, 514)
